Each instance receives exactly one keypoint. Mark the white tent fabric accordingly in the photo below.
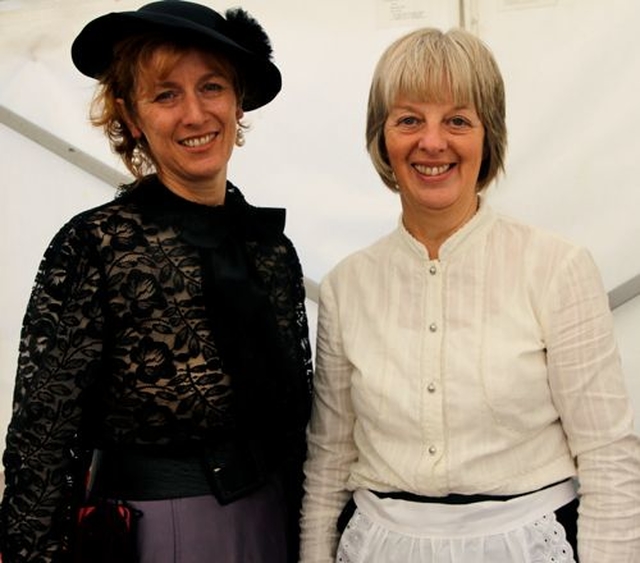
(572, 72)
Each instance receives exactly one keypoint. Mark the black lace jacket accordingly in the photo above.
(144, 312)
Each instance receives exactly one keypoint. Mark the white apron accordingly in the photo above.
(520, 530)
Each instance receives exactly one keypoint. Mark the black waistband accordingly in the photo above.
(228, 469)
(455, 498)
(135, 475)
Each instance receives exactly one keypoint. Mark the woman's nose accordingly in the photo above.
(432, 139)
(194, 110)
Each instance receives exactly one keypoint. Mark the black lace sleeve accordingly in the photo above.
(301, 355)
(60, 354)
(299, 400)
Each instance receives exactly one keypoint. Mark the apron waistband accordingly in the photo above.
(422, 519)
(456, 498)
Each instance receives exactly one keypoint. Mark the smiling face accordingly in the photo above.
(435, 151)
(188, 115)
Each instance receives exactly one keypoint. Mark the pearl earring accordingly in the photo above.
(240, 140)
(136, 156)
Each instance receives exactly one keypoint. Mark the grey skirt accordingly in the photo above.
(200, 530)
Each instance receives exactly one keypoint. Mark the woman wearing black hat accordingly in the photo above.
(166, 337)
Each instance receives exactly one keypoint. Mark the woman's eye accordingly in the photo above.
(165, 96)
(458, 122)
(213, 87)
(408, 121)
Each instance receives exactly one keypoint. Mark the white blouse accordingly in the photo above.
(491, 370)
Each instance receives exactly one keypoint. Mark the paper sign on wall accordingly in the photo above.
(402, 12)
(510, 4)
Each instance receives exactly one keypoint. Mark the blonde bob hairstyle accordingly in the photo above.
(428, 65)
(135, 63)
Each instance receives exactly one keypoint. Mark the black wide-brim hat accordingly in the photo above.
(238, 37)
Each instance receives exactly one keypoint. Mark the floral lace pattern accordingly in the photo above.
(353, 540)
(118, 347)
(554, 547)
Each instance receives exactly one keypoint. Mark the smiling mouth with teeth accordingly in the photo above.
(432, 170)
(197, 141)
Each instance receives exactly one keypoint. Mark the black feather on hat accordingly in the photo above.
(239, 37)
(248, 32)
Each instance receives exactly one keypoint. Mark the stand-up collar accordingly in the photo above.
(467, 234)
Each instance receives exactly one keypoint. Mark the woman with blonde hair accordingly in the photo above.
(469, 402)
